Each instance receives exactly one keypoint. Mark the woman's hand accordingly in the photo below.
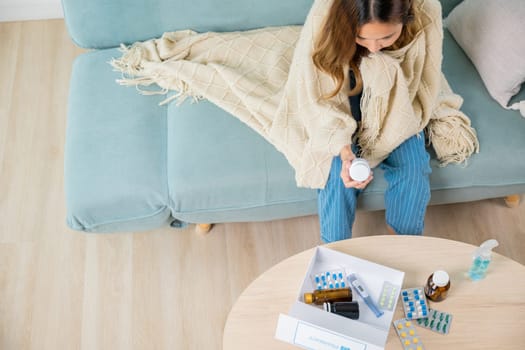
(347, 156)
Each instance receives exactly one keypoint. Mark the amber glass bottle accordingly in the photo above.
(437, 286)
(321, 296)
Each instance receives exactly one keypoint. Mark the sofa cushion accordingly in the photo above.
(115, 157)
(104, 24)
(492, 32)
(499, 168)
(220, 170)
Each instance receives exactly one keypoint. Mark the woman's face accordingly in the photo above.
(378, 35)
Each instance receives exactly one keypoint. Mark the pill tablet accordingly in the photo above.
(407, 334)
(414, 303)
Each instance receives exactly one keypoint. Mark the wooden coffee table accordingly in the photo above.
(487, 314)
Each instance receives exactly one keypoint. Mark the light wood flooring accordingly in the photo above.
(164, 289)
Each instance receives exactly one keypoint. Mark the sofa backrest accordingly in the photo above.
(108, 23)
(448, 5)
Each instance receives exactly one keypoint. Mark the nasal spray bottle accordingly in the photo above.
(481, 260)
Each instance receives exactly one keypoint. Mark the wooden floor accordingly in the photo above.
(164, 289)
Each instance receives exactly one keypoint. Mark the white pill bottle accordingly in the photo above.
(359, 169)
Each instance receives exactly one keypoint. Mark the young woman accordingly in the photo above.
(353, 30)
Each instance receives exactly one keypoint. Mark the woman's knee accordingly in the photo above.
(411, 157)
(415, 169)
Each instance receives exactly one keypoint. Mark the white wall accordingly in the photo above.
(21, 10)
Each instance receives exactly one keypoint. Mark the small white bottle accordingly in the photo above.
(481, 260)
(359, 169)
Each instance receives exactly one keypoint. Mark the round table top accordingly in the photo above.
(487, 314)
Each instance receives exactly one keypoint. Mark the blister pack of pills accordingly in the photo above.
(330, 279)
(436, 321)
(387, 298)
(414, 303)
(407, 334)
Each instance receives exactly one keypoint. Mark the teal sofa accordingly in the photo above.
(132, 165)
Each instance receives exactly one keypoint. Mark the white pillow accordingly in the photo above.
(492, 34)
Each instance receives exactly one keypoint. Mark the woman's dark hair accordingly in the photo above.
(336, 47)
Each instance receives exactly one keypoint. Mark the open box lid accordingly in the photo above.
(311, 327)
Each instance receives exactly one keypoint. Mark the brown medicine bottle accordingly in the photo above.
(437, 286)
(321, 296)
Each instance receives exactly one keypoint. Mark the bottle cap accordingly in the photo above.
(359, 169)
(327, 307)
(308, 298)
(440, 278)
(485, 249)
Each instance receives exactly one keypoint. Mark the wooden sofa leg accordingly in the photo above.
(513, 200)
(203, 228)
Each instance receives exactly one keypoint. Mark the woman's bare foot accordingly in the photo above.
(390, 230)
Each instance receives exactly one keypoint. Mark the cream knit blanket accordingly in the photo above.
(267, 79)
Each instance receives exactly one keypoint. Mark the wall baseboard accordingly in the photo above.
(30, 11)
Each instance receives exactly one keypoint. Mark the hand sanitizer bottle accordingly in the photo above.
(481, 260)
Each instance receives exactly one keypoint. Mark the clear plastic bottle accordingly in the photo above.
(321, 296)
(481, 260)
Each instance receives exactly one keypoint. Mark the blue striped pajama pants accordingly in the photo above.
(406, 170)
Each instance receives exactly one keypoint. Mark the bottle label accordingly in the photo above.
(479, 268)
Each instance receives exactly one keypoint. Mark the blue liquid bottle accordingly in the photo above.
(481, 260)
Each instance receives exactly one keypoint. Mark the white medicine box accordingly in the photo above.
(311, 327)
